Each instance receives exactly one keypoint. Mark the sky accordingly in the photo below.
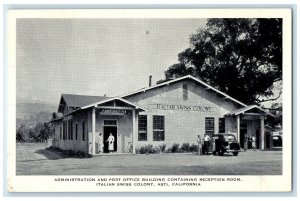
(95, 56)
(100, 57)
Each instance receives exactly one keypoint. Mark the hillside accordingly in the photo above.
(31, 113)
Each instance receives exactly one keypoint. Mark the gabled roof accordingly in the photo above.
(245, 109)
(73, 100)
(185, 78)
(112, 99)
(95, 104)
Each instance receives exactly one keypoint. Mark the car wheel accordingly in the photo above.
(221, 153)
(235, 153)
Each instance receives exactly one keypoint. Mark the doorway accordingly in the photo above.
(243, 135)
(243, 140)
(268, 140)
(257, 134)
(107, 130)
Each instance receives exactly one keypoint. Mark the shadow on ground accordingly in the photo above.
(49, 155)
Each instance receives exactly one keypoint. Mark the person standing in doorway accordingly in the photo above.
(110, 140)
(199, 141)
(249, 143)
(206, 143)
(253, 140)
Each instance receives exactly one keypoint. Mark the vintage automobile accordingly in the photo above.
(225, 143)
(277, 141)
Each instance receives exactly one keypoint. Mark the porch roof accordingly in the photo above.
(112, 99)
(247, 108)
(105, 101)
(77, 101)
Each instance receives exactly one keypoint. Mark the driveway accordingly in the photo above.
(35, 160)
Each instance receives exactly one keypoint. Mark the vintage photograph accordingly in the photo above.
(149, 96)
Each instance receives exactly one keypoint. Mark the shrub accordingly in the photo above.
(185, 147)
(194, 148)
(70, 153)
(147, 149)
(162, 147)
(169, 150)
(156, 150)
(175, 148)
(180, 150)
(80, 154)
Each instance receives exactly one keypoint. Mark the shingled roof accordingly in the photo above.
(208, 87)
(73, 100)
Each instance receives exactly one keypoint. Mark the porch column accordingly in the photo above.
(133, 130)
(238, 128)
(262, 132)
(93, 129)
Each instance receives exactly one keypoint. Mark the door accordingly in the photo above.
(257, 133)
(268, 140)
(243, 135)
(107, 131)
(243, 140)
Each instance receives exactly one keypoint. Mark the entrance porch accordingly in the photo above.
(112, 127)
(249, 125)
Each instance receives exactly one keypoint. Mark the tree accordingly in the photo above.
(276, 109)
(241, 57)
(54, 115)
(39, 133)
(22, 133)
(43, 131)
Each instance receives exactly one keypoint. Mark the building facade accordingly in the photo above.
(175, 111)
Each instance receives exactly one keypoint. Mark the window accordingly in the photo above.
(71, 122)
(142, 122)
(83, 131)
(221, 125)
(64, 130)
(76, 131)
(209, 125)
(185, 91)
(60, 133)
(69, 130)
(110, 122)
(158, 128)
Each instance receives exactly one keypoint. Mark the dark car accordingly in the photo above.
(226, 143)
(277, 141)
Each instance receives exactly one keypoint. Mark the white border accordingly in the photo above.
(249, 184)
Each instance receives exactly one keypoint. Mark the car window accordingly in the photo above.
(229, 137)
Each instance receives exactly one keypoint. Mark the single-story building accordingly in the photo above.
(175, 111)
